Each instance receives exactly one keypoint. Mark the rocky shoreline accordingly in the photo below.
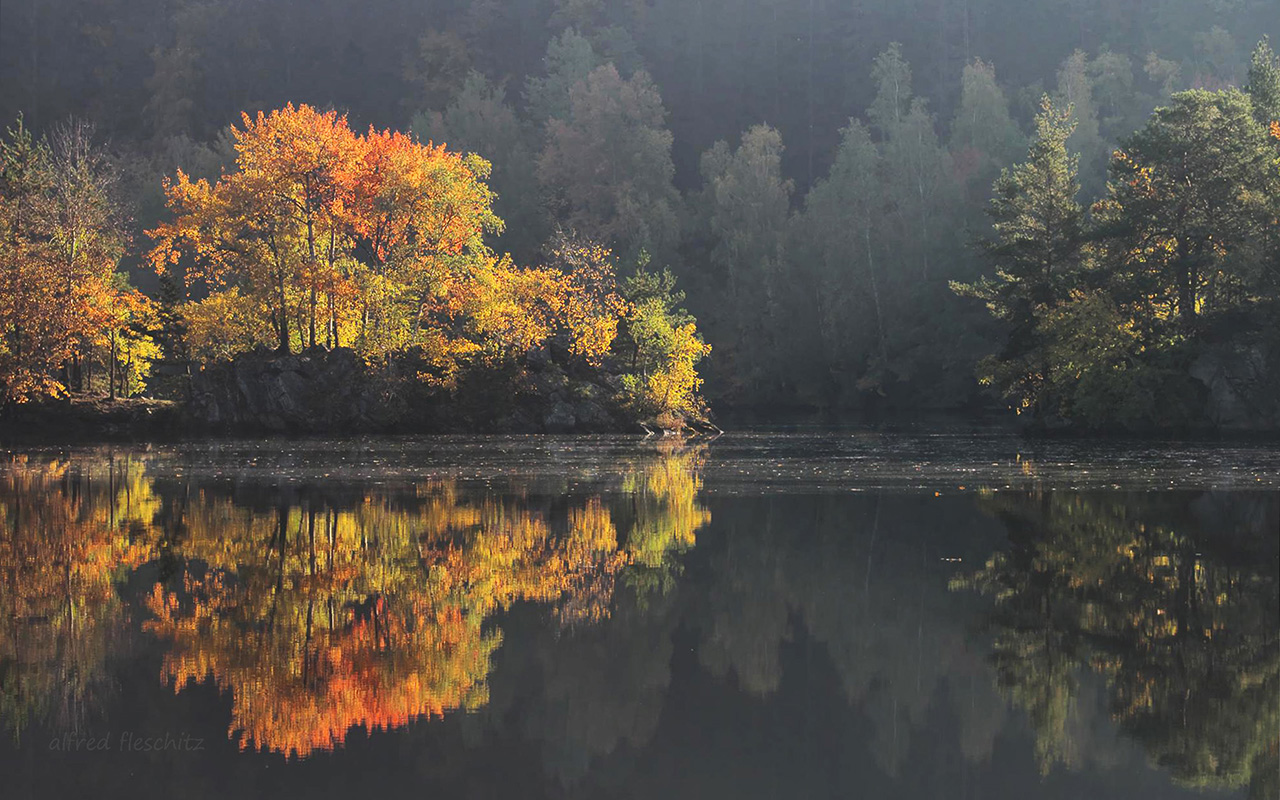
(334, 392)
(90, 419)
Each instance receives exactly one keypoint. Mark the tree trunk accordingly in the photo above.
(284, 316)
(111, 387)
(1188, 301)
(875, 296)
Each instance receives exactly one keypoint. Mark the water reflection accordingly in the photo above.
(317, 611)
(1172, 600)
(899, 644)
(67, 537)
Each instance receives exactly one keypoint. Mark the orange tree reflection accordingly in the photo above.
(319, 619)
(67, 537)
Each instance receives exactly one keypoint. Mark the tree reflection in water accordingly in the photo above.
(1171, 599)
(66, 538)
(316, 612)
(558, 603)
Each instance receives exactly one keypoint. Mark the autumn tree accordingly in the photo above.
(661, 347)
(31, 312)
(589, 307)
(419, 214)
(338, 238)
(63, 235)
(124, 340)
(274, 227)
(321, 237)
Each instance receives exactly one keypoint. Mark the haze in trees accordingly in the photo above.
(601, 120)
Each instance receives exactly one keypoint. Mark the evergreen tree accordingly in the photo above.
(1035, 252)
(1075, 92)
(748, 203)
(843, 229)
(607, 167)
(920, 187)
(570, 59)
(892, 76)
(984, 137)
(479, 120)
(1264, 83)
(1187, 192)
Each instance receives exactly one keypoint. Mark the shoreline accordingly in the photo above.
(95, 420)
(80, 420)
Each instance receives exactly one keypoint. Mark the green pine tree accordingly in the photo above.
(1036, 252)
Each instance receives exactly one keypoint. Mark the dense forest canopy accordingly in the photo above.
(156, 68)
(816, 176)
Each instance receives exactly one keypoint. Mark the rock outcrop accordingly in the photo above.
(81, 419)
(315, 391)
(321, 391)
(1243, 382)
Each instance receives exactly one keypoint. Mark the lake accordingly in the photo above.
(780, 615)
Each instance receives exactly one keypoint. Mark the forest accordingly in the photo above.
(1067, 210)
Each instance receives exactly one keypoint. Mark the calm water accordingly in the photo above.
(782, 616)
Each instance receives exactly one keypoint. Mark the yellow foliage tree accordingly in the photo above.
(63, 236)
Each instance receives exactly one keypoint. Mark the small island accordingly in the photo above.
(330, 282)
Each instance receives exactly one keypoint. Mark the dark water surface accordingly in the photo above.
(765, 615)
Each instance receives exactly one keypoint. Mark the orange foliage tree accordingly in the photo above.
(339, 238)
(60, 295)
(324, 237)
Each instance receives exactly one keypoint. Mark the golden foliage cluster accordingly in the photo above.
(314, 619)
(322, 236)
(64, 310)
